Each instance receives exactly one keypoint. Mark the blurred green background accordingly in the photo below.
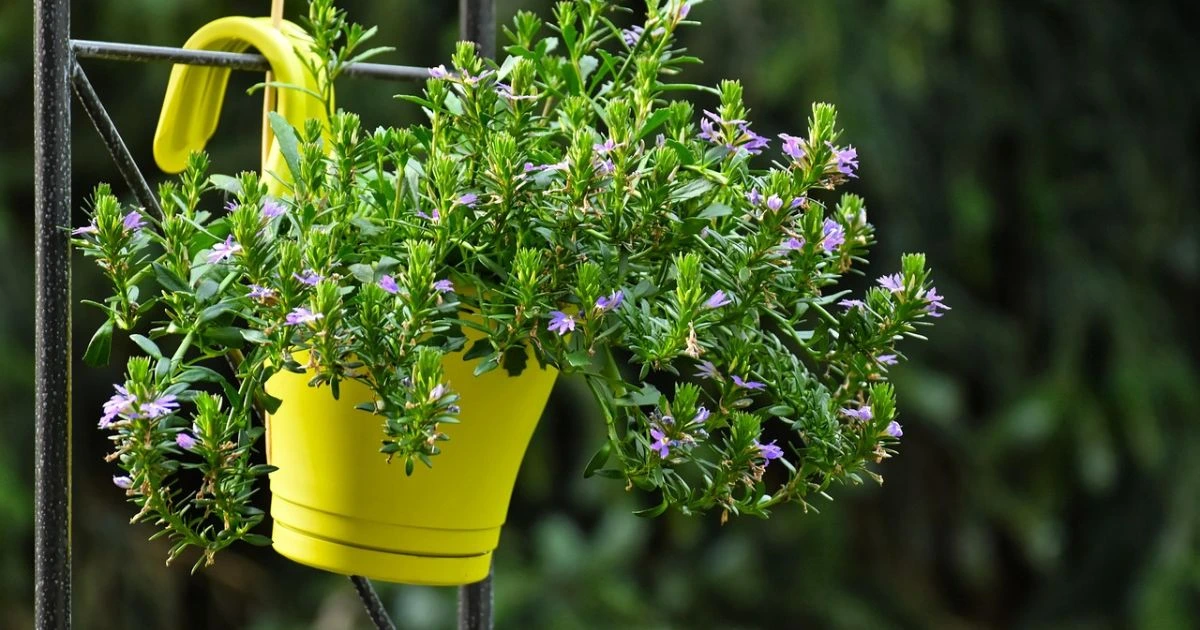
(1043, 153)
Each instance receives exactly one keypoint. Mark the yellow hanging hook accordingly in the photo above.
(192, 105)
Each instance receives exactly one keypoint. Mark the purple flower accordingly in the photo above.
(768, 451)
(87, 229)
(121, 404)
(887, 359)
(754, 197)
(893, 283)
(792, 243)
(561, 323)
(849, 304)
(862, 413)
(272, 209)
(443, 286)
(301, 315)
(439, 72)
(605, 148)
(737, 380)
(717, 300)
(122, 482)
(231, 205)
(702, 415)
(752, 142)
(684, 9)
(774, 203)
(832, 235)
(504, 90)
(793, 146)
(530, 167)
(660, 443)
(133, 221)
(610, 302)
(185, 440)
(798, 201)
(709, 371)
(222, 251)
(847, 159)
(388, 283)
(259, 292)
(631, 35)
(468, 200)
(437, 392)
(893, 429)
(435, 217)
(308, 277)
(159, 407)
(935, 303)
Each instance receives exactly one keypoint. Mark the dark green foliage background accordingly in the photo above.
(1043, 153)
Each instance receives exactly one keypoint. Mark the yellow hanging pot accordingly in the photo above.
(339, 506)
(336, 503)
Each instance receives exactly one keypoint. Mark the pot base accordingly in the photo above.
(377, 564)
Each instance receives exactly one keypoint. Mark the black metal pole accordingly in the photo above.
(477, 23)
(370, 598)
(112, 139)
(52, 330)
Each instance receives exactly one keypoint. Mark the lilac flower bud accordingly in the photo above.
(308, 277)
(893, 283)
(660, 443)
(122, 482)
(185, 441)
(894, 429)
(388, 283)
(561, 323)
(133, 221)
(862, 413)
(769, 451)
(774, 203)
(301, 315)
(223, 251)
(744, 384)
(717, 300)
(443, 286)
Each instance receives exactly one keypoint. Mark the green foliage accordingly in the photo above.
(527, 209)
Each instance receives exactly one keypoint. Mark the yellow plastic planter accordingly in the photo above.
(340, 507)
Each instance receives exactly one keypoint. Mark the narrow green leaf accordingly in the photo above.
(100, 347)
(147, 346)
(598, 460)
(285, 137)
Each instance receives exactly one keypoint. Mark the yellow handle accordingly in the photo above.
(194, 94)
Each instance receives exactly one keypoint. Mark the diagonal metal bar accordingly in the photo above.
(52, 330)
(112, 139)
(370, 598)
(116, 51)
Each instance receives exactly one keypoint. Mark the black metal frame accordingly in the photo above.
(56, 73)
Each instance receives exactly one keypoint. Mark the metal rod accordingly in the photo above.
(475, 604)
(477, 23)
(52, 330)
(116, 51)
(370, 598)
(113, 140)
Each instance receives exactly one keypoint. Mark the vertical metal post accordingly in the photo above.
(52, 208)
(477, 23)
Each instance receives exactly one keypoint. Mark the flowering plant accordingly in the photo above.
(557, 205)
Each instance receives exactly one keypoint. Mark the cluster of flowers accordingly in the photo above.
(558, 203)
